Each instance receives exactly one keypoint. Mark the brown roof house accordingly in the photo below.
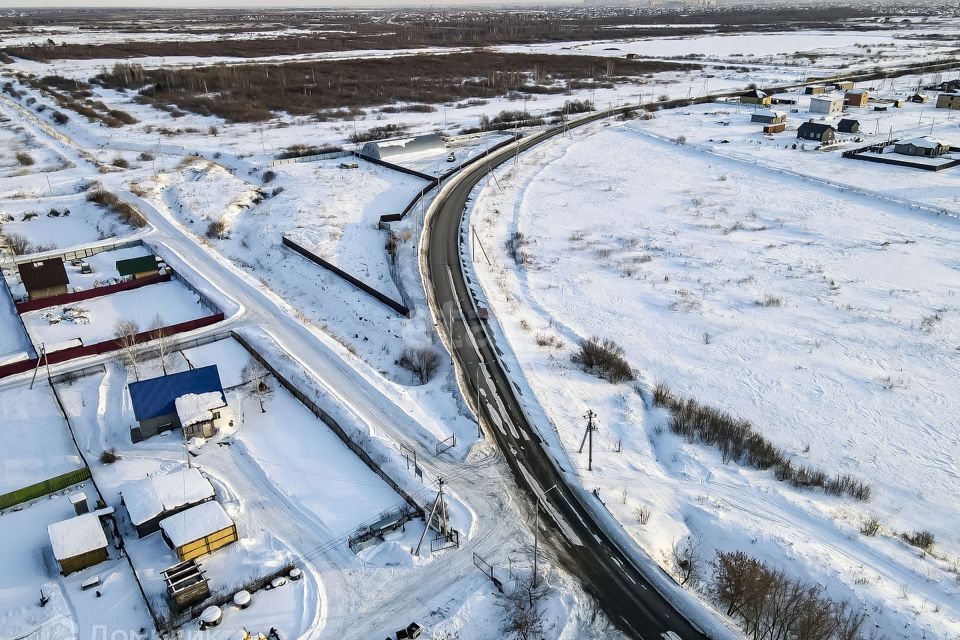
(44, 278)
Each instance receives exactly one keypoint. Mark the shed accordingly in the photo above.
(199, 530)
(44, 278)
(843, 85)
(150, 500)
(815, 89)
(949, 100)
(924, 146)
(816, 131)
(919, 98)
(386, 149)
(848, 125)
(755, 96)
(154, 400)
(856, 98)
(78, 542)
(780, 127)
(769, 117)
(200, 413)
(828, 105)
(186, 583)
(139, 267)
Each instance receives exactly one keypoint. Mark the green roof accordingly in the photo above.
(131, 266)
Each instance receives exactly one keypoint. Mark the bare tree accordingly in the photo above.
(254, 373)
(125, 332)
(160, 335)
(422, 362)
(524, 617)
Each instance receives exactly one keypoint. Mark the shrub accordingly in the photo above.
(739, 442)
(216, 228)
(301, 150)
(604, 359)
(920, 539)
(268, 177)
(378, 133)
(145, 156)
(24, 158)
(123, 210)
(109, 456)
(422, 362)
(121, 162)
(870, 527)
(59, 117)
(514, 245)
(769, 301)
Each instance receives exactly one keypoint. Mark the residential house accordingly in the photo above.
(817, 131)
(755, 96)
(949, 100)
(843, 85)
(44, 278)
(199, 530)
(919, 98)
(140, 267)
(154, 401)
(924, 147)
(827, 105)
(768, 117)
(856, 98)
(848, 125)
(150, 500)
(78, 542)
(775, 128)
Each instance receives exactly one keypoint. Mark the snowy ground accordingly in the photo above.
(93, 320)
(59, 222)
(672, 254)
(34, 438)
(72, 613)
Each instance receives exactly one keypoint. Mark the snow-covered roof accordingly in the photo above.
(770, 113)
(856, 91)
(925, 142)
(827, 98)
(146, 499)
(196, 407)
(76, 536)
(195, 523)
(415, 144)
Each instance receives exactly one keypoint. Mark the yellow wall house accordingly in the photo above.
(199, 530)
(78, 543)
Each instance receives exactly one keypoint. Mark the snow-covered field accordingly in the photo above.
(827, 319)
(59, 222)
(94, 320)
(34, 438)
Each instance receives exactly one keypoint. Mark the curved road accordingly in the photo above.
(583, 545)
(629, 599)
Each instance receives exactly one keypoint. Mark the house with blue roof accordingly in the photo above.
(192, 400)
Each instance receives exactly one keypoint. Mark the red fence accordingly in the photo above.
(96, 292)
(107, 345)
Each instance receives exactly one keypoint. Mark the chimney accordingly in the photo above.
(79, 502)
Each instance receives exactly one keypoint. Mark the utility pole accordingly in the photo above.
(443, 523)
(588, 435)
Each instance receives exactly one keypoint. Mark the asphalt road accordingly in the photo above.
(578, 540)
(607, 572)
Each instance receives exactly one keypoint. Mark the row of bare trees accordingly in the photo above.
(769, 604)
